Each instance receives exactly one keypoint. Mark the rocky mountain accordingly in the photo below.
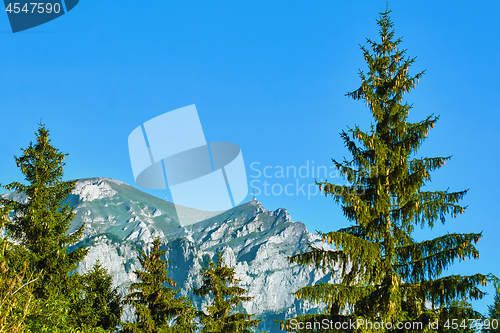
(120, 219)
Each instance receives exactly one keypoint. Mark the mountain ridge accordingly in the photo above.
(257, 242)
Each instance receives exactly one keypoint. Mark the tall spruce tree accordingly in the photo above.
(157, 309)
(220, 284)
(40, 224)
(387, 275)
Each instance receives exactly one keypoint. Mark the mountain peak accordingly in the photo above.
(89, 189)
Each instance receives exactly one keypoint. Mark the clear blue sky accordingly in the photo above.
(267, 75)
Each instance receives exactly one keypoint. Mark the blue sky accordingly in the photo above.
(269, 76)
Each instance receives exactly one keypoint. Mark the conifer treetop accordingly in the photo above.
(155, 300)
(41, 224)
(221, 286)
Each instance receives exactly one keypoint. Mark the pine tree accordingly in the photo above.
(219, 283)
(41, 224)
(101, 304)
(494, 314)
(154, 299)
(388, 276)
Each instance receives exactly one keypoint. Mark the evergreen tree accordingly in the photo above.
(219, 283)
(154, 299)
(101, 304)
(388, 276)
(468, 325)
(494, 314)
(41, 223)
